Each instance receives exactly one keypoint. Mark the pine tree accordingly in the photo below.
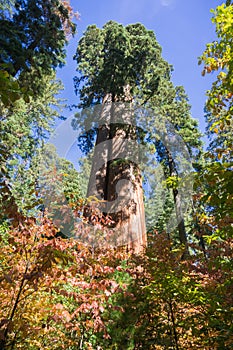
(172, 108)
(23, 131)
(33, 35)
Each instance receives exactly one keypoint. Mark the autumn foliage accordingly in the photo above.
(54, 291)
(59, 294)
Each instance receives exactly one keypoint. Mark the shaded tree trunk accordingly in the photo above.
(178, 206)
(116, 180)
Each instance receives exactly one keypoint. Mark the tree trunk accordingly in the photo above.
(115, 177)
(178, 206)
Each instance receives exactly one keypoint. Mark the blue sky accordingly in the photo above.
(182, 29)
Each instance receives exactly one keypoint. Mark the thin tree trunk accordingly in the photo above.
(175, 335)
(3, 342)
(178, 206)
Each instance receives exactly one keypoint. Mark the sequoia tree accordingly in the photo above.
(123, 66)
(118, 66)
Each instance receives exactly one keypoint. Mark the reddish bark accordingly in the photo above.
(116, 180)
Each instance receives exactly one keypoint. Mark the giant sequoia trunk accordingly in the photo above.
(115, 177)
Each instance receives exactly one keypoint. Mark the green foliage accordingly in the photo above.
(32, 42)
(36, 36)
(32, 39)
(218, 57)
(217, 175)
(113, 57)
(23, 129)
(9, 88)
(174, 122)
(58, 175)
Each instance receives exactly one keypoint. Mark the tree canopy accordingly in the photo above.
(114, 57)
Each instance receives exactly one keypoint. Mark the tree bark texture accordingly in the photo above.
(115, 177)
